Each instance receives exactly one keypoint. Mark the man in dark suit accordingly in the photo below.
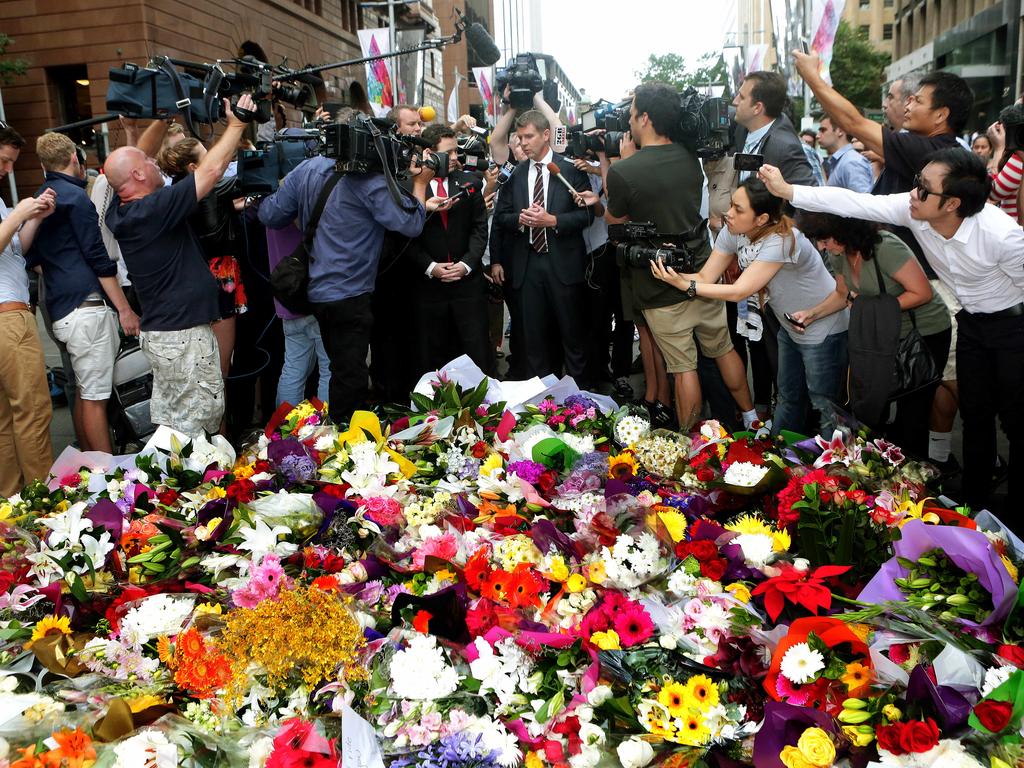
(763, 129)
(543, 225)
(449, 295)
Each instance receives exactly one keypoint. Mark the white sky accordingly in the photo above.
(600, 44)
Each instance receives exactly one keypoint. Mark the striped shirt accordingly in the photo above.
(1006, 184)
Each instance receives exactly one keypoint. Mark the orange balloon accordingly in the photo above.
(427, 114)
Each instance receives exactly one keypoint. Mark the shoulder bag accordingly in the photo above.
(289, 281)
(915, 367)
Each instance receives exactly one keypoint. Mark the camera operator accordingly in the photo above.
(449, 294)
(407, 120)
(661, 182)
(543, 225)
(174, 285)
(344, 258)
(504, 128)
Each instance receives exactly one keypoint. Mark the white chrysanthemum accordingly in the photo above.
(995, 677)
(421, 671)
(757, 548)
(801, 663)
(681, 583)
(745, 474)
(579, 443)
(154, 616)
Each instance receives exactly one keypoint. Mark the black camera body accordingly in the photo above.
(522, 76)
(1012, 119)
(473, 153)
(638, 243)
(354, 148)
(260, 170)
(582, 144)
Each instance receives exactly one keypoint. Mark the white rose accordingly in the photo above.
(584, 713)
(801, 563)
(591, 735)
(668, 642)
(598, 695)
(588, 757)
(634, 753)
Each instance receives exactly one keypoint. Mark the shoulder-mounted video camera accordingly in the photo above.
(638, 243)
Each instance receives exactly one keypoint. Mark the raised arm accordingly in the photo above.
(889, 209)
(212, 167)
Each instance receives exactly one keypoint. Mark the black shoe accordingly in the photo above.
(661, 416)
(948, 468)
(622, 388)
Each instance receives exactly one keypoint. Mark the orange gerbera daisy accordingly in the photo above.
(525, 587)
(496, 585)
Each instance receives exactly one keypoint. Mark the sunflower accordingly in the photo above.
(675, 698)
(702, 690)
(621, 466)
(51, 625)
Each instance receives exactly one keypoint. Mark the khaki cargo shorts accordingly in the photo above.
(678, 328)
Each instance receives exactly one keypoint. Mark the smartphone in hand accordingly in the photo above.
(792, 320)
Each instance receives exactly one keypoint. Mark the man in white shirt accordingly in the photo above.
(978, 252)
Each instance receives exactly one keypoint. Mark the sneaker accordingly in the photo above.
(622, 388)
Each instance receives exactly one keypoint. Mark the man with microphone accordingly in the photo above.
(449, 293)
(542, 216)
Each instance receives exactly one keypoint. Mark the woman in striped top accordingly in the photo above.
(1007, 165)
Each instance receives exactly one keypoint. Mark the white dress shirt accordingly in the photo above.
(447, 193)
(13, 278)
(982, 263)
(531, 177)
(753, 142)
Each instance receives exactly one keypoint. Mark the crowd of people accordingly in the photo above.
(852, 249)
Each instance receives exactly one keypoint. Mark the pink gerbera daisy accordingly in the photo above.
(444, 547)
(633, 625)
(793, 693)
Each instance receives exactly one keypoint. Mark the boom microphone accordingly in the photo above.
(556, 172)
(482, 43)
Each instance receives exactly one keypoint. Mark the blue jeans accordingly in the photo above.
(814, 370)
(301, 342)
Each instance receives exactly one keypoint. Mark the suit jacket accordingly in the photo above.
(566, 247)
(464, 239)
(781, 148)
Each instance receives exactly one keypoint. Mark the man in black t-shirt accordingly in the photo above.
(661, 183)
(174, 285)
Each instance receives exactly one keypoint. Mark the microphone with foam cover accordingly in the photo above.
(482, 43)
(556, 172)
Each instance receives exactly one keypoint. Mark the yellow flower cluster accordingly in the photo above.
(513, 550)
(814, 750)
(754, 525)
(307, 632)
(678, 714)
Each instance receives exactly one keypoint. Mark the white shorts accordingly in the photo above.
(90, 335)
(949, 373)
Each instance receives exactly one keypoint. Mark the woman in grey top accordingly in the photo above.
(857, 248)
(776, 258)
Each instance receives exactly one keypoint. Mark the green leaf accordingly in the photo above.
(78, 589)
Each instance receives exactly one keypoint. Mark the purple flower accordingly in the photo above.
(530, 471)
(298, 469)
(581, 401)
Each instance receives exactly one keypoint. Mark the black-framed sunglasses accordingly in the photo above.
(923, 192)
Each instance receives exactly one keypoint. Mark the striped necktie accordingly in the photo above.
(539, 235)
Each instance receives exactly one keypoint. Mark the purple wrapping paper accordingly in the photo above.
(970, 550)
(106, 513)
(784, 724)
(950, 706)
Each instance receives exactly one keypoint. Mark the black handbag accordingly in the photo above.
(289, 281)
(915, 367)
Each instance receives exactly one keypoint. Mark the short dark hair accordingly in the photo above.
(661, 104)
(434, 133)
(535, 118)
(966, 178)
(855, 235)
(808, 132)
(10, 137)
(769, 89)
(953, 92)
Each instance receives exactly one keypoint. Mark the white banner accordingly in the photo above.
(825, 16)
(484, 77)
(755, 57)
(453, 99)
(379, 74)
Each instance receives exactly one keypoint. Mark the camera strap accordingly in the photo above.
(184, 102)
(389, 178)
(318, 210)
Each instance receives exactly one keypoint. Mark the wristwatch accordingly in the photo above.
(691, 292)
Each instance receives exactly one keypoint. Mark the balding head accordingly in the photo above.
(131, 173)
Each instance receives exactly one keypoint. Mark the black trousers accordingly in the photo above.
(345, 327)
(909, 430)
(448, 328)
(603, 304)
(549, 311)
(990, 372)
(391, 367)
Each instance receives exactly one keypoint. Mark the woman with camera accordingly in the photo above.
(216, 225)
(1007, 164)
(868, 262)
(775, 258)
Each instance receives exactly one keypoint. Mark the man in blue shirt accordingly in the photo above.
(845, 166)
(344, 258)
(77, 272)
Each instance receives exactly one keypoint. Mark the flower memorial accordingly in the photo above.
(462, 585)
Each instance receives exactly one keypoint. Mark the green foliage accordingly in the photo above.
(9, 69)
(858, 68)
(671, 68)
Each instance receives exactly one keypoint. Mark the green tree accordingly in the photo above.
(671, 68)
(9, 69)
(858, 68)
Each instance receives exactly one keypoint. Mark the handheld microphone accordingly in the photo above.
(465, 191)
(556, 172)
(505, 173)
(481, 42)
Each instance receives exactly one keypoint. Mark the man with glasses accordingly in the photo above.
(976, 250)
(845, 167)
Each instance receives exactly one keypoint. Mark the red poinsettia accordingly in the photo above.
(807, 589)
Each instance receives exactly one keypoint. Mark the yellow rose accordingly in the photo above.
(739, 591)
(791, 757)
(892, 713)
(606, 641)
(816, 747)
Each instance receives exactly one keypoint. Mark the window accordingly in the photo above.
(865, 5)
(865, 30)
(351, 15)
(887, 31)
(889, 3)
(69, 91)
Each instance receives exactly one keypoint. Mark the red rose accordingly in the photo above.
(479, 449)
(1013, 654)
(713, 569)
(546, 482)
(919, 736)
(889, 738)
(335, 490)
(168, 497)
(994, 715)
(242, 491)
(261, 466)
(704, 474)
(704, 549)
(684, 549)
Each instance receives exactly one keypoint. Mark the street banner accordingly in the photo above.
(484, 77)
(825, 16)
(379, 75)
(453, 99)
